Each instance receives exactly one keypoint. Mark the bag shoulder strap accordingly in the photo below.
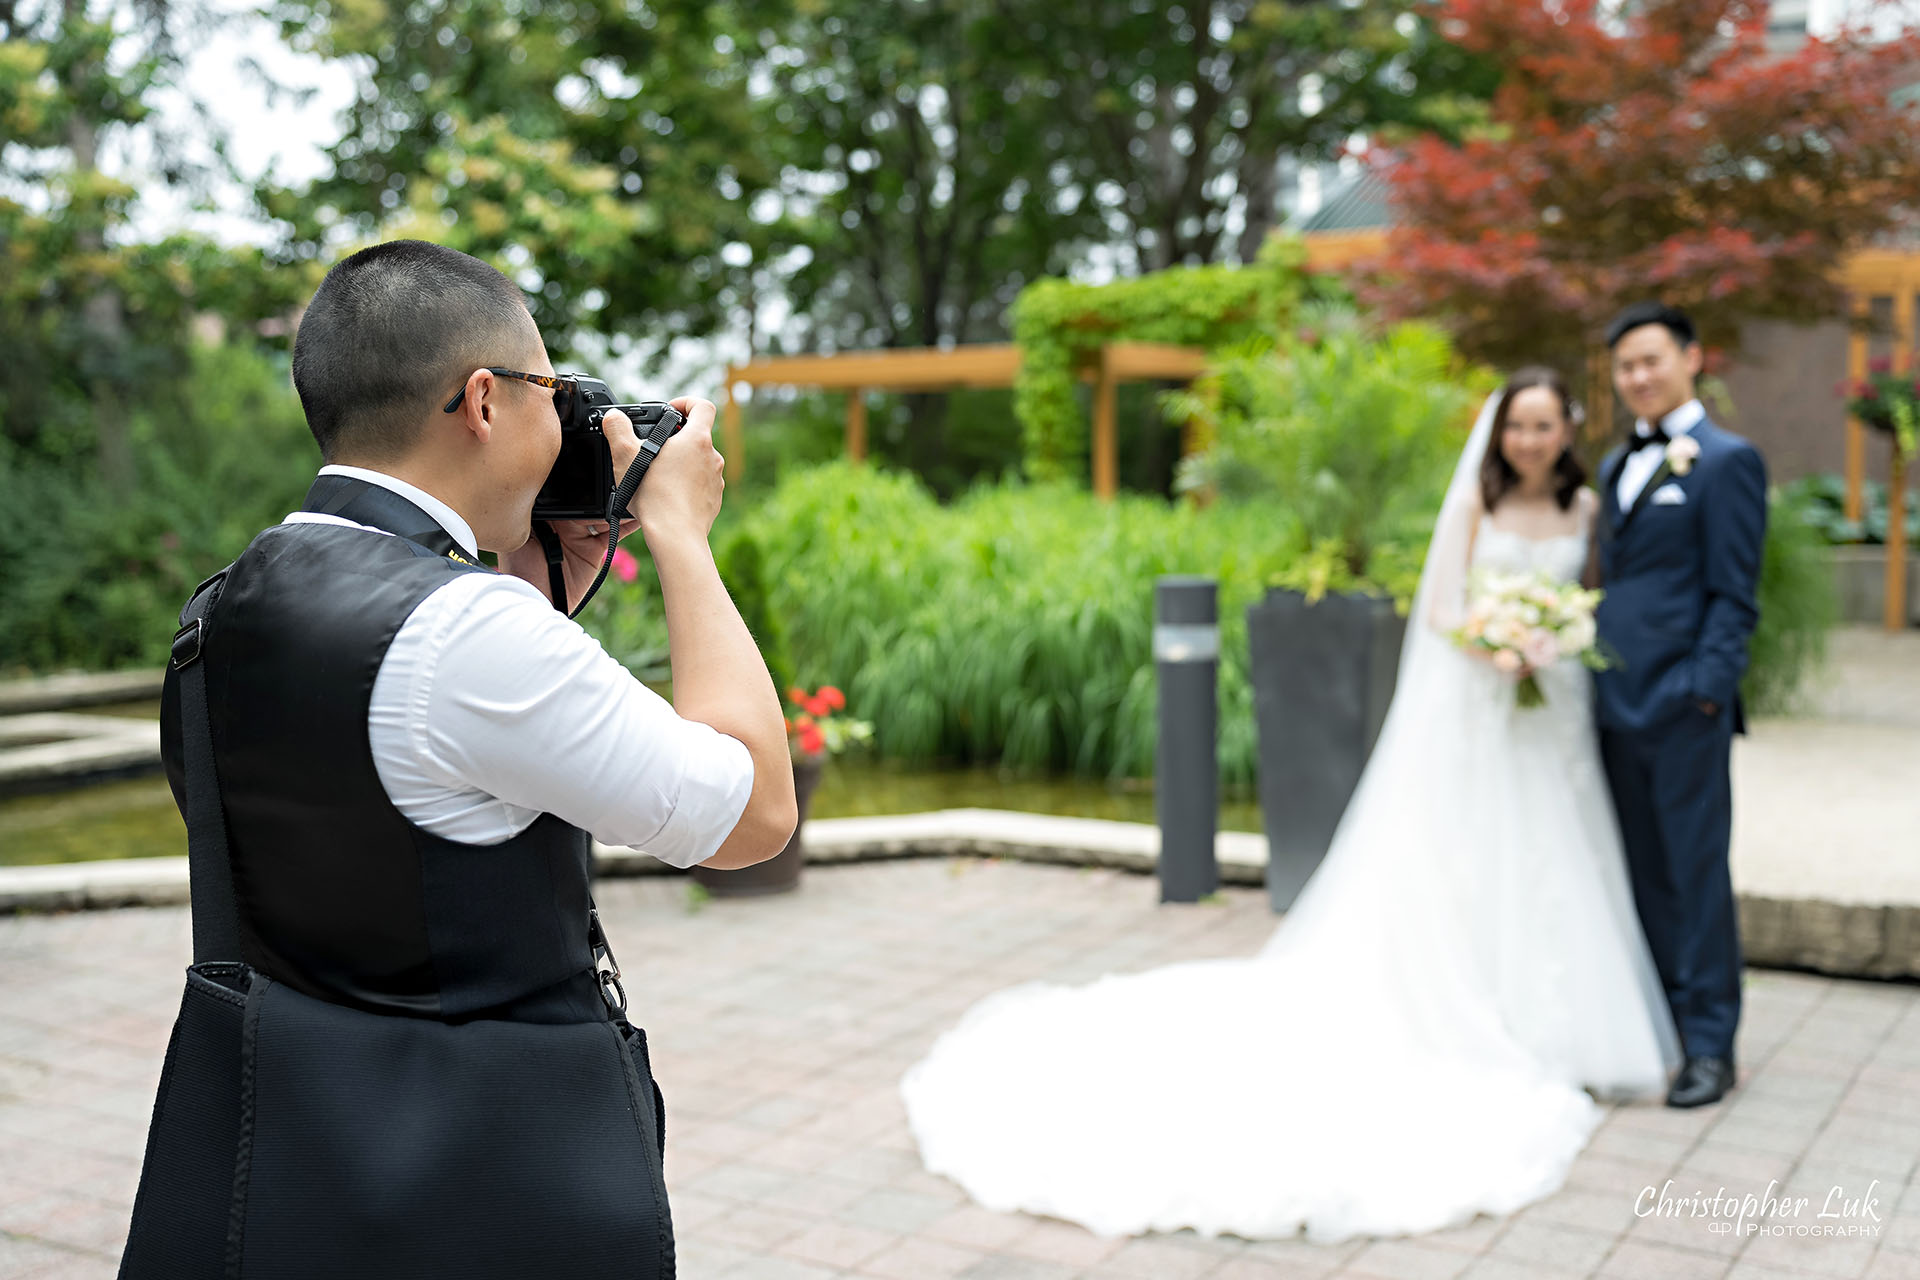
(216, 912)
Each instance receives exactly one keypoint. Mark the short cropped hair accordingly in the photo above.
(392, 333)
(1640, 314)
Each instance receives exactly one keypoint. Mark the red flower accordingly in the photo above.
(816, 706)
(1880, 364)
(625, 567)
(796, 694)
(835, 700)
(812, 741)
(803, 723)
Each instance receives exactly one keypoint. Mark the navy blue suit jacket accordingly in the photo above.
(1682, 581)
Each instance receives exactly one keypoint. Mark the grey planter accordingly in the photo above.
(1323, 676)
(1860, 583)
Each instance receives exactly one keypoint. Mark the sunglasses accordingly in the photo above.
(564, 390)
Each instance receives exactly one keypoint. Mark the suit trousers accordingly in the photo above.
(1673, 789)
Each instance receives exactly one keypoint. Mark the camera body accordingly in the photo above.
(581, 484)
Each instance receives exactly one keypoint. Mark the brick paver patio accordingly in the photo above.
(782, 1026)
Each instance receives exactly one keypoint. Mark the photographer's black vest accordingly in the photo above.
(418, 1075)
(339, 895)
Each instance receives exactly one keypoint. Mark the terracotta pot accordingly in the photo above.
(781, 872)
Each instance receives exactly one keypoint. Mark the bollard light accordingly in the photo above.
(1186, 784)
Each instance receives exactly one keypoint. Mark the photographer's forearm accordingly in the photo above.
(720, 679)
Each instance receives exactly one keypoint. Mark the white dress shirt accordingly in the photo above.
(1642, 463)
(492, 707)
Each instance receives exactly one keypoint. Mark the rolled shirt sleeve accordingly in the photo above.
(492, 708)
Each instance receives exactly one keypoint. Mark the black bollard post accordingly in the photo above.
(1186, 789)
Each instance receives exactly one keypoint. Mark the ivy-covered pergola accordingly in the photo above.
(1156, 327)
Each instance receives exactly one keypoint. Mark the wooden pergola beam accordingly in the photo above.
(983, 365)
(1138, 361)
(928, 369)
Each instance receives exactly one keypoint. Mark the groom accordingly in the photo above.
(1685, 512)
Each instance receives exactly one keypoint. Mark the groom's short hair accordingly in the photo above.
(1640, 314)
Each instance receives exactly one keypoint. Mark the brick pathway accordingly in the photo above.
(782, 1026)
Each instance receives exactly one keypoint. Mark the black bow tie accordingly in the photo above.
(1639, 442)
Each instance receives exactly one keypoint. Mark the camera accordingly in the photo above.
(581, 484)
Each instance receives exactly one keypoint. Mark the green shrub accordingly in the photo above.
(1823, 498)
(1797, 605)
(86, 581)
(742, 567)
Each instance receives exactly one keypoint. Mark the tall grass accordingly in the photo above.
(1013, 626)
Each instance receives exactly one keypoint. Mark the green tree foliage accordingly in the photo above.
(603, 155)
(85, 580)
(1657, 148)
(94, 319)
(1186, 110)
(894, 174)
(924, 168)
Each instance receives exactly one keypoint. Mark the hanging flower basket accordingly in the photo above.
(1888, 401)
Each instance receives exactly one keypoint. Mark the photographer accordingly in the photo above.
(403, 753)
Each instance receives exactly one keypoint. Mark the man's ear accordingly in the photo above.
(1696, 359)
(476, 410)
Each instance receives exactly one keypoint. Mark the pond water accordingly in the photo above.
(135, 818)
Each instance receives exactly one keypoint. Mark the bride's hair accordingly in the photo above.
(1497, 476)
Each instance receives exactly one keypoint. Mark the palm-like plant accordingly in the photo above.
(1345, 427)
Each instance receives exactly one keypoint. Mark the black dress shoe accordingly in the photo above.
(1701, 1081)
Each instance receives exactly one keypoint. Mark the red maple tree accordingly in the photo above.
(1668, 153)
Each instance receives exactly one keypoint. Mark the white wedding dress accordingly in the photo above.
(1416, 1043)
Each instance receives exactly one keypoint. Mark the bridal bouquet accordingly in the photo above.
(1529, 622)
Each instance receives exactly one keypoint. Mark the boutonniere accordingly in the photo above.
(1682, 451)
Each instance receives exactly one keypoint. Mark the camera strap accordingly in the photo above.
(618, 501)
(556, 557)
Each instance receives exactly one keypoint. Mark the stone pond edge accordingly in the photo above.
(1855, 940)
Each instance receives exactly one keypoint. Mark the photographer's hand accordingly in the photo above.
(583, 543)
(683, 488)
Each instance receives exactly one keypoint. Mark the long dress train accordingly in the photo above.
(1413, 1046)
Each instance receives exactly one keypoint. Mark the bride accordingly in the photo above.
(1419, 1040)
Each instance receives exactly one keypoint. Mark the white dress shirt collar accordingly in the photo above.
(1679, 422)
(445, 516)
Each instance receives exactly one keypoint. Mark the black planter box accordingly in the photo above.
(1323, 676)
